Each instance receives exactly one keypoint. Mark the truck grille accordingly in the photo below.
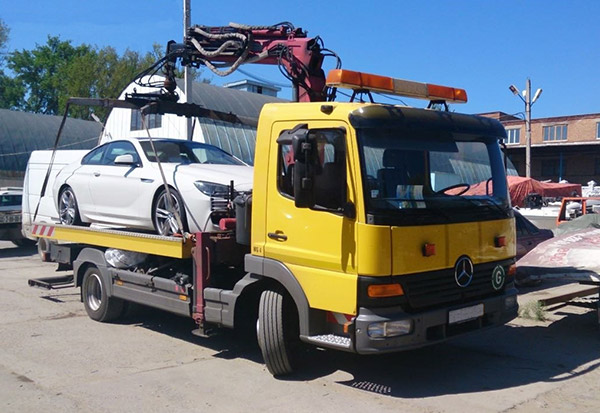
(439, 288)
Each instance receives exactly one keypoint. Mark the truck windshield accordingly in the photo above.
(437, 179)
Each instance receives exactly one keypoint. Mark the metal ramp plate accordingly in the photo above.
(52, 283)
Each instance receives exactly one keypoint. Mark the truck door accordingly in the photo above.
(316, 244)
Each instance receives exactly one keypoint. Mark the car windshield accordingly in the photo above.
(418, 175)
(10, 200)
(187, 152)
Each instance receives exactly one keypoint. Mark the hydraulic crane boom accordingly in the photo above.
(223, 49)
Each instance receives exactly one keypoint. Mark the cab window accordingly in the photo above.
(330, 177)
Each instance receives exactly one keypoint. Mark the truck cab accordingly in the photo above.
(392, 224)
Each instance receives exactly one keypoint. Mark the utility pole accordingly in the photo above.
(526, 98)
(187, 10)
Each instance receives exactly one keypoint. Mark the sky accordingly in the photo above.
(481, 46)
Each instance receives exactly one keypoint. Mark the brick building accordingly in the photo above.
(564, 147)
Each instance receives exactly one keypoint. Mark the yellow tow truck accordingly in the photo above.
(362, 233)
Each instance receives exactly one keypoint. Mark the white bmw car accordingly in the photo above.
(119, 183)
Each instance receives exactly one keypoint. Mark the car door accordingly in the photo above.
(80, 178)
(316, 244)
(115, 188)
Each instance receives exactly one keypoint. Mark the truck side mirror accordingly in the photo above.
(305, 159)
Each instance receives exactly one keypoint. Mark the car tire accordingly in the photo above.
(278, 332)
(98, 305)
(68, 210)
(23, 242)
(163, 217)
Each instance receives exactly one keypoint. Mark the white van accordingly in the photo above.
(37, 167)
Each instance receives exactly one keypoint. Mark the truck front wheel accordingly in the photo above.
(278, 332)
(97, 303)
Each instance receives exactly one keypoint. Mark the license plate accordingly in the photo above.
(9, 219)
(465, 314)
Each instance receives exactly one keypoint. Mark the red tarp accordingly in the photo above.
(519, 187)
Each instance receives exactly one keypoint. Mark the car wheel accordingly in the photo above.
(68, 212)
(163, 214)
(23, 242)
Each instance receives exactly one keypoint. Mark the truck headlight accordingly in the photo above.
(389, 329)
(211, 188)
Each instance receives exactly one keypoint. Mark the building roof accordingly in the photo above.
(23, 132)
(241, 103)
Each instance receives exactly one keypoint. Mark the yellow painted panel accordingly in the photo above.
(144, 243)
(475, 239)
(374, 250)
(492, 229)
(408, 245)
(327, 290)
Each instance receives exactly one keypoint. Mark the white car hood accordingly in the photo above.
(241, 175)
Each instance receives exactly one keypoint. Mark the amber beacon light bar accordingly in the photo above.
(348, 79)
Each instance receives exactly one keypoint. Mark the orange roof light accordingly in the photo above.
(348, 79)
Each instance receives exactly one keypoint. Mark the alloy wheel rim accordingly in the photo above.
(164, 217)
(67, 207)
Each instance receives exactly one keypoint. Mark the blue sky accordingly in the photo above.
(481, 46)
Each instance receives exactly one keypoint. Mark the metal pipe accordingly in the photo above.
(187, 78)
(528, 129)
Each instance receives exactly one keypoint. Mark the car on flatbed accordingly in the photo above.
(120, 183)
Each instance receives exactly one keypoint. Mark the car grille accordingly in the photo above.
(438, 288)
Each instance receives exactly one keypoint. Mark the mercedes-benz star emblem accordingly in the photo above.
(463, 271)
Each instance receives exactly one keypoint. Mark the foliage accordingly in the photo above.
(41, 80)
(533, 310)
(4, 32)
(10, 90)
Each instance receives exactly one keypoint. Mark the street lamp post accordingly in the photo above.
(526, 98)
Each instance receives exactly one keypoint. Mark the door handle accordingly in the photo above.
(279, 236)
(96, 174)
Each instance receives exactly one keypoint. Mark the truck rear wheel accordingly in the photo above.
(97, 303)
(278, 333)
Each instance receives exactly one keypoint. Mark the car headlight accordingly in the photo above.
(211, 188)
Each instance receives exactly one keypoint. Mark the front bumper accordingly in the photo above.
(432, 326)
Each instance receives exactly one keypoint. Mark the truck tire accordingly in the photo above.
(277, 331)
(97, 303)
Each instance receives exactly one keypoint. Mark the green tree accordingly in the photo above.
(11, 91)
(45, 77)
(40, 72)
(4, 32)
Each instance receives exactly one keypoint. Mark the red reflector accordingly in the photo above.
(428, 250)
(500, 241)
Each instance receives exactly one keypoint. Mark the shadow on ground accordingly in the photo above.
(496, 359)
(10, 250)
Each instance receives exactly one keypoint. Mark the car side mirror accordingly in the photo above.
(305, 157)
(126, 159)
